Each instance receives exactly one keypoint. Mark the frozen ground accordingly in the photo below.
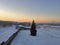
(6, 32)
(45, 36)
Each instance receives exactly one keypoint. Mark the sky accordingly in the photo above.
(28, 10)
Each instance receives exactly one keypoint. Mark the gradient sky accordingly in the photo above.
(27, 10)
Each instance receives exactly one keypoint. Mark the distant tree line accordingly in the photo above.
(54, 24)
(24, 23)
(6, 23)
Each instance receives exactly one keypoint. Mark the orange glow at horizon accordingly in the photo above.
(24, 20)
(8, 16)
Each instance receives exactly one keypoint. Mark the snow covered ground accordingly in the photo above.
(45, 36)
(6, 32)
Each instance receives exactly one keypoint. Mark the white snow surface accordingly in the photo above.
(6, 32)
(45, 36)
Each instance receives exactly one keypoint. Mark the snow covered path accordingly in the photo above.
(44, 37)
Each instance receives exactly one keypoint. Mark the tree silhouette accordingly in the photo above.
(33, 29)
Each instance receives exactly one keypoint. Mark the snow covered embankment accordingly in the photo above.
(7, 32)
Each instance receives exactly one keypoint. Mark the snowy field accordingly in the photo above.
(45, 36)
(6, 32)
